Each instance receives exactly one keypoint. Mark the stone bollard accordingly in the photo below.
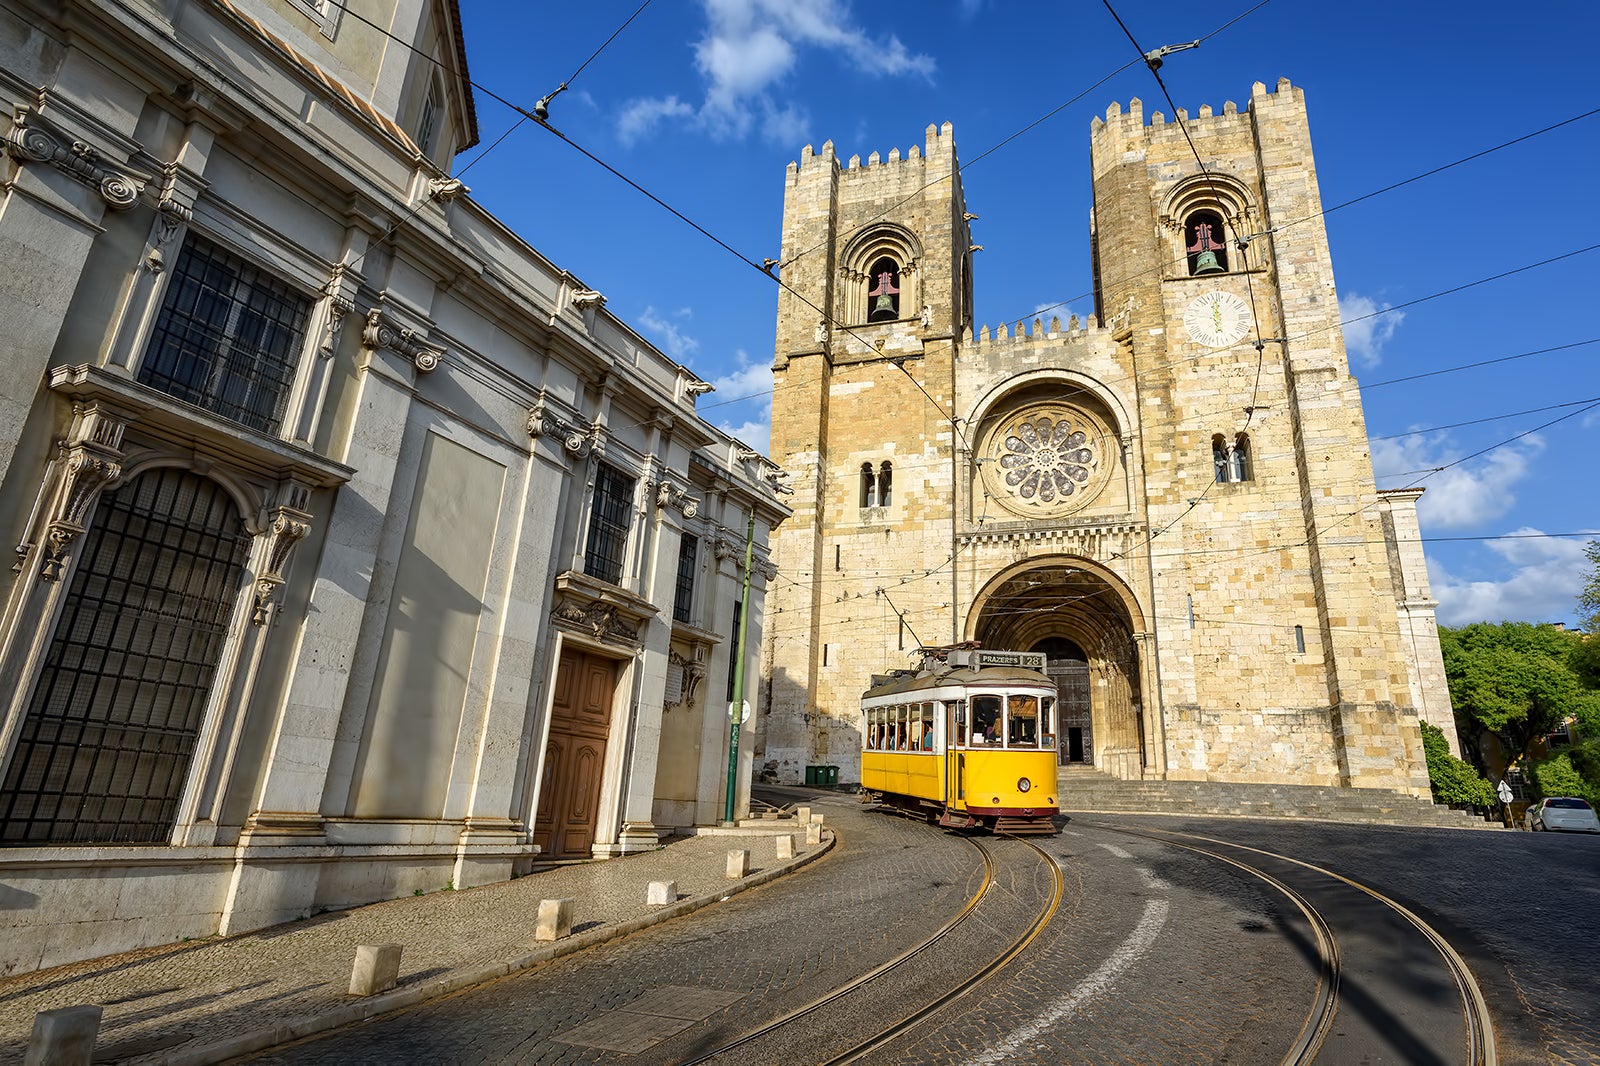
(802, 815)
(738, 862)
(662, 893)
(377, 969)
(555, 919)
(64, 1036)
(813, 834)
(816, 819)
(785, 843)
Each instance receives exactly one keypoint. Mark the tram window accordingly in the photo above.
(927, 727)
(901, 713)
(960, 710)
(986, 719)
(1047, 723)
(1022, 721)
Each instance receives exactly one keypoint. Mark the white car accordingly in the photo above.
(1567, 813)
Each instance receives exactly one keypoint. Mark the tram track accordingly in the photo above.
(1326, 1001)
(885, 1034)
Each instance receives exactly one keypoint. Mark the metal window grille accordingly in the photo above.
(608, 525)
(105, 746)
(228, 337)
(683, 594)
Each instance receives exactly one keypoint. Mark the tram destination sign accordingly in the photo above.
(978, 658)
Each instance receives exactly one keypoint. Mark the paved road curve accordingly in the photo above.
(1155, 954)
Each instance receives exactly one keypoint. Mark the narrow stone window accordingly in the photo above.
(869, 486)
(683, 594)
(1206, 244)
(885, 482)
(883, 291)
(1300, 639)
(1239, 460)
(609, 521)
(1230, 460)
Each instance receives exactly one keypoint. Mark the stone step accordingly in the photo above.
(1087, 789)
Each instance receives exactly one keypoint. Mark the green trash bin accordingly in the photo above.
(812, 774)
(830, 776)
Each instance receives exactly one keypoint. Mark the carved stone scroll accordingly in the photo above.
(34, 140)
(382, 333)
(93, 461)
(289, 527)
(576, 439)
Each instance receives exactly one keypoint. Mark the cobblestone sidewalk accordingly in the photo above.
(204, 1001)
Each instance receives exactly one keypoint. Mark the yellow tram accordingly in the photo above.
(968, 741)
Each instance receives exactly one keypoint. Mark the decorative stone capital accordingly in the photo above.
(35, 140)
(380, 332)
(670, 495)
(577, 440)
(93, 461)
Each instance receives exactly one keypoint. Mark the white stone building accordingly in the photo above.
(359, 550)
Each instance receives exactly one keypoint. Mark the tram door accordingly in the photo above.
(1068, 667)
(955, 733)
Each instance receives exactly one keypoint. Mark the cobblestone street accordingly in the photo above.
(1155, 953)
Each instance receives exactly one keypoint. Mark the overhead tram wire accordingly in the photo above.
(1047, 116)
(1322, 214)
(1153, 60)
(523, 116)
(1481, 362)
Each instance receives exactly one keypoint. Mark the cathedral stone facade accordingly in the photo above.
(1173, 498)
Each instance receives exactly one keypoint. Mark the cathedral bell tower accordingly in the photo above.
(877, 264)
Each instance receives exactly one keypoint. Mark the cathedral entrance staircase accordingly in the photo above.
(1087, 790)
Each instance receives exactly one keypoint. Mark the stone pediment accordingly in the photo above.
(600, 610)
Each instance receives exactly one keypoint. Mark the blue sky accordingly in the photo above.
(705, 103)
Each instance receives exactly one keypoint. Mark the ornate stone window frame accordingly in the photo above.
(1220, 194)
(119, 430)
(882, 240)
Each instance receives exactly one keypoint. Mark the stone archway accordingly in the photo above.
(1085, 621)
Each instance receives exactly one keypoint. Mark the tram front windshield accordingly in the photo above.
(1018, 720)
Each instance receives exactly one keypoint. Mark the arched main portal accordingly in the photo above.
(1085, 625)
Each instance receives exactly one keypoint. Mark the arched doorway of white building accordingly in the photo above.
(1085, 621)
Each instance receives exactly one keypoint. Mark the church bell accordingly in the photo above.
(1206, 263)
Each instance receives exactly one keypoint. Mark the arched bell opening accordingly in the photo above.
(1084, 621)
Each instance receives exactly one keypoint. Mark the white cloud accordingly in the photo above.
(642, 116)
(672, 340)
(751, 385)
(1365, 330)
(749, 47)
(1463, 496)
(1539, 584)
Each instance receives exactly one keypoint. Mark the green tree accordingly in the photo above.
(1513, 680)
(1589, 598)
(1557, 776)
(1453, 780)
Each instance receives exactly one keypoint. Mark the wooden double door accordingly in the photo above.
(575, 756)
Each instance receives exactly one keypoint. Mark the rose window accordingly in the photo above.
(1046, 458)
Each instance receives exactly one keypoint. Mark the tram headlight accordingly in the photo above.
(1023, 784)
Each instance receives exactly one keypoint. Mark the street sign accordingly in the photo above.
(743, 712)
(1504, 792)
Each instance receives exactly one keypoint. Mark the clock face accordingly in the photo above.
(1217, 319)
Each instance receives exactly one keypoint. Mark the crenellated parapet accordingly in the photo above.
(1130, 124)
(940, 143)
(1024, 336)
